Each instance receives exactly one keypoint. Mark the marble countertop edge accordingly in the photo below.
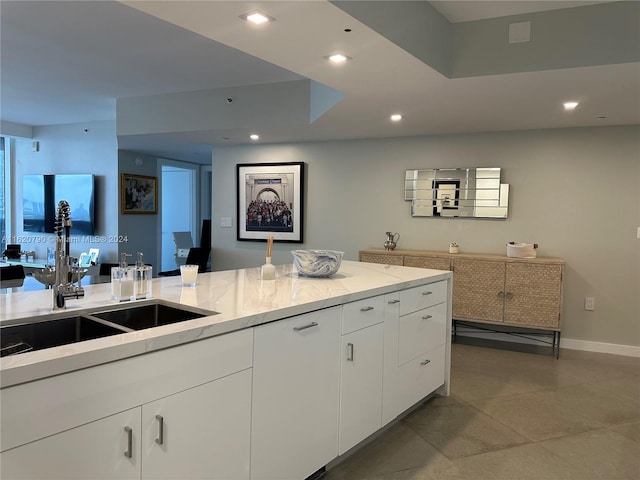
(241, 299)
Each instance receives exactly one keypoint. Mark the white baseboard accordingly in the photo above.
(600, 347)
(569, 343)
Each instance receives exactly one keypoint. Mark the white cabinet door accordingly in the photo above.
(202, 433)
(390, 408)
(422, 331)
(421, 376)
(361, 385)
(97, 450)
(296, 383)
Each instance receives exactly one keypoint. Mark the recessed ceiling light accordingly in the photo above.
(396, 117)
(254, 136)
(338, 58)
(257, 17)
(570, 105)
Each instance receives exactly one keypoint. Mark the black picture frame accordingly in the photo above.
(446, 195)
(270, 201)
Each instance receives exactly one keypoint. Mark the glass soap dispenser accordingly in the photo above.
(122, 281)
(143, 274)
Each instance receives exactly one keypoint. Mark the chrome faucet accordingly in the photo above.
(63, 288)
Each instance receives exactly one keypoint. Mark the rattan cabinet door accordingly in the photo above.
(533, 294)
(478, 289)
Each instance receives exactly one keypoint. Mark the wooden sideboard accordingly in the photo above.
(493, 289)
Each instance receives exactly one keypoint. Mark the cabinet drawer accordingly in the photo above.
(436, 263)
(417, 298)
(361, 314)
(381, 258)
(420, 377)
(422, 331)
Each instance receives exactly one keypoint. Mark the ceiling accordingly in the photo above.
(68, 62)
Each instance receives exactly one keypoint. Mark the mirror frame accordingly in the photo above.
(457, 193)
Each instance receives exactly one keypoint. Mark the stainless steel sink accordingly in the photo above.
(153, 314)
(38, 335)
(56, 329)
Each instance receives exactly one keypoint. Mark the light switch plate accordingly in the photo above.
(589, 303)
(225, 222)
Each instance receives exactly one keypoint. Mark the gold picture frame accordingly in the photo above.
(138, 194)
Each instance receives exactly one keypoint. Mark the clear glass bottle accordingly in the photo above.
(123, 286)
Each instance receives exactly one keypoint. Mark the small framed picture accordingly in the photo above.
(138, 194)
(270, 197)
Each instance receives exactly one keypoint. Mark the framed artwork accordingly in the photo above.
(447, 195)
(138, 194)
(269, 201)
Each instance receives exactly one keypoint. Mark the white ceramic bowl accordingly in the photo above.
(317, 263)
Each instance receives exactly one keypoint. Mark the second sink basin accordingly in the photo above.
(154, 314)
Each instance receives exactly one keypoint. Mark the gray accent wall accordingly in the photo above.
(576, 192)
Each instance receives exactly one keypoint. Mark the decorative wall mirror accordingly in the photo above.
(456, 192)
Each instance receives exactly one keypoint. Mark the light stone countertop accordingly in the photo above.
(241, 299)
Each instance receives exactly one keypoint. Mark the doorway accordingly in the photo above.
(179, 207)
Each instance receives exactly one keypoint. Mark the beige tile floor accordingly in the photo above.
(515, 416)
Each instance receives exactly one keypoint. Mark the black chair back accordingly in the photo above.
(199, 256)
(11, 276)
(205, 235)
(105, 268)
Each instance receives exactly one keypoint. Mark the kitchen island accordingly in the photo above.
(285, 377)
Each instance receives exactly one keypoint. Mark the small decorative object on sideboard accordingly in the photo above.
(391, 241)
(521, 250)
(453, 247)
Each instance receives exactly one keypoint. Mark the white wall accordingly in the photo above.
(573, 191)
(71, 149)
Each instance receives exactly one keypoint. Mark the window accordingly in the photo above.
(3, 198)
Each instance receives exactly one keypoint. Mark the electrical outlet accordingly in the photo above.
(589, 303)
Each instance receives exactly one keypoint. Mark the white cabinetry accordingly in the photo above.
(189, 434)
(105, 421)
(95, 450)
(277, 401)
(361, 371)
(185, 435)
(296, 377)
(423, 328)
(390, 405)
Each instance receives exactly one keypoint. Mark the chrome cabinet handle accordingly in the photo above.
(425, 362)
(160, 437)
(350, 352)
(427, 293)
(427, 317)
(129, 451)
(393, 302)
(366, 309)
(304, 327)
